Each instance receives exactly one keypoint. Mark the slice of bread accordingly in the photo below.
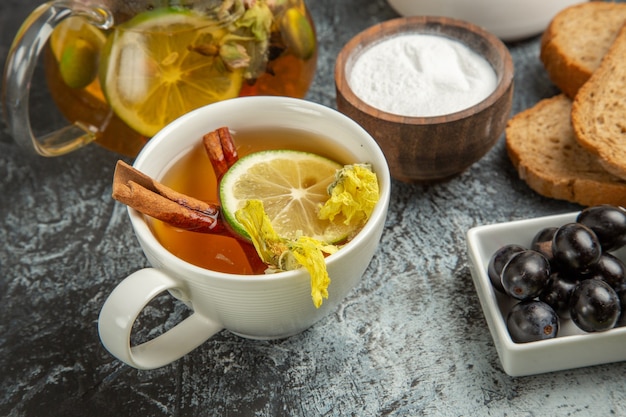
(599, 110)
(576, 39)
(541, 144)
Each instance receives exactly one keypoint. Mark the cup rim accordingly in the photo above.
(145, 235)
(415, 24)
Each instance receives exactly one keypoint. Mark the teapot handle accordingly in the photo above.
(20, 67)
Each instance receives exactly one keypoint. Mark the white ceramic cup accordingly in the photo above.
(508, 19)
(253, 306)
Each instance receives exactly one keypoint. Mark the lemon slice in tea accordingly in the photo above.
(162, 64)
(292, 185)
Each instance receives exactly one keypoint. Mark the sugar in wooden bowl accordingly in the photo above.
(434, 92)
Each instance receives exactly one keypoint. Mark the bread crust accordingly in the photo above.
(575, 41)
(599, 110)
(541, 145)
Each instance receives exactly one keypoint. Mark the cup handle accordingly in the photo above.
(122, 308)
(20, 67)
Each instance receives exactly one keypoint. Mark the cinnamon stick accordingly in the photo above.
(144, 194)
(220, 147)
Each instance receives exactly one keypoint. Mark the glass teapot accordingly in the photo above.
(121, 70)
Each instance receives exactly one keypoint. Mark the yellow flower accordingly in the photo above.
(309, 253)
(353, 194)
(284, 254)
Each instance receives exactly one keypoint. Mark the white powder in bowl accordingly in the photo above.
(421, 76)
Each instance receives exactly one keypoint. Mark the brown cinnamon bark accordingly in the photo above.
(137, 190)
(220, 147)
(144, 194)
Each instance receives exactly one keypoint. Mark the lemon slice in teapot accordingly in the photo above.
(76, 45)
(162, 64)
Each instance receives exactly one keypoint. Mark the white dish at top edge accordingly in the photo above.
(508, 19)
(572, 348)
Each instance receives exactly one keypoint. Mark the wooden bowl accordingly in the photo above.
(431, 149)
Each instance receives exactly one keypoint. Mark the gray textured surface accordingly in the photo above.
(410, 340)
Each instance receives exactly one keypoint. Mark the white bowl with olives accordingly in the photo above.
(568, 343)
